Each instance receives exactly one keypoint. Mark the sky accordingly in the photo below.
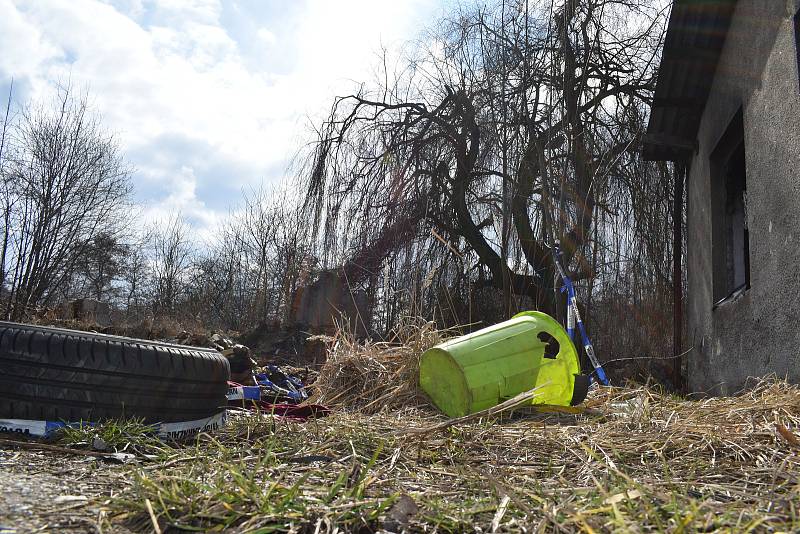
(205, 97)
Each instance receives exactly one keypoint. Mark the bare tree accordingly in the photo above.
(6, 191)
(64, 184)
(100, 268)
(251, 270)
(134, 276)
(171, 260)
(519, 112)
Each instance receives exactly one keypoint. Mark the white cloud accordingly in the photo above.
(25, 51)
(170, 69)
(178, 11)
(182, 199)
(267, 36)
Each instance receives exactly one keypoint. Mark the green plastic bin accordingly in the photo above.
(480, 370)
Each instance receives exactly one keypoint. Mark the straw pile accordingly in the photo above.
(371, 377)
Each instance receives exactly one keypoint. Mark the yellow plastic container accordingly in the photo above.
(480, 370)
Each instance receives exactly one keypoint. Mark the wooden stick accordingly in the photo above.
(149, 506)
(56, 448)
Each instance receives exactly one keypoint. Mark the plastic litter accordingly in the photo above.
(482, 369)
(276, 384)
(277, 393)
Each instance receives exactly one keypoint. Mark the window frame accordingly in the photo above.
(797, 44)
(731, 141)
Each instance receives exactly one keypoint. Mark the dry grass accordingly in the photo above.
(637, 461)
(633, 459)
(372, 377)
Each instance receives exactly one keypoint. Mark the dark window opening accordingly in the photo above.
(731, 236)
(797, 42)
(737, 254)
(551, 346)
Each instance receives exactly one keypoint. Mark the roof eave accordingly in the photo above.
(693, 44)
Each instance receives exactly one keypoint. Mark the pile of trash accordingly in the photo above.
(269, 387)
(272, 384)
(239, 356)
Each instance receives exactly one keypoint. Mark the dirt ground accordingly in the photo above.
(45, 491)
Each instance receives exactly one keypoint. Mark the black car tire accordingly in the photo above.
(55, 374)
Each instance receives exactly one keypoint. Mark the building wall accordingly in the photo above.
(758, 334)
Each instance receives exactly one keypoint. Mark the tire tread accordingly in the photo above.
(67, 375)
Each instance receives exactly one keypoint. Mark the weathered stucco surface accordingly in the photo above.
(760, 333)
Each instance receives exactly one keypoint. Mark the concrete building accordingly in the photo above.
(727, 108)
